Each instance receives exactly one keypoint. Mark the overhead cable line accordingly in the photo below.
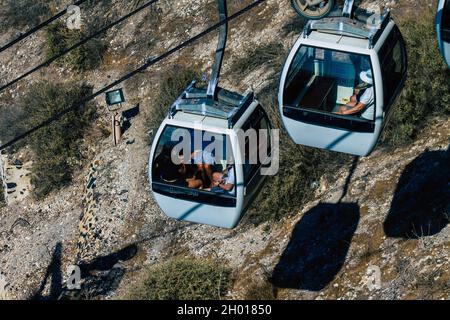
(142, 68)
(77, 45)
(38, 27)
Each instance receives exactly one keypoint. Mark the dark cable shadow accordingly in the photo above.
(107, 262)
(102, 275)
(53, 271)
(421, 203)
(99, 277)
(349, 178)
(140, 69)
(318, 247)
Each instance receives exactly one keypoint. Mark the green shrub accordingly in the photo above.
(24, 13)
(181, 279)
(427, 89)
(86, 57)
(12, 123)
(56, 146)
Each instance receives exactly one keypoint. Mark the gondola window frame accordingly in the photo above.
(328, 119)
(386, 55)
(191, 194)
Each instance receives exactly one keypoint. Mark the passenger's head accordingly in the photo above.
(366, 76)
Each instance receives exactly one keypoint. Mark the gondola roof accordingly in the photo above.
(223, 111)
(363, 30)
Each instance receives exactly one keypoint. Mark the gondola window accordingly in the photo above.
(323, 80)
(194, 163)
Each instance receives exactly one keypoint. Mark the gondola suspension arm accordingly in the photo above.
(348, 8)
(223, 32)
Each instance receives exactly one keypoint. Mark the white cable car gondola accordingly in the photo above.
(443, 28)
(341, 79)
(208, 185)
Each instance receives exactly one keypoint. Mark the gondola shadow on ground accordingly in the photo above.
(421, 203)
(318, 247)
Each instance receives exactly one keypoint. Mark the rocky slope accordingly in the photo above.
(347, 243)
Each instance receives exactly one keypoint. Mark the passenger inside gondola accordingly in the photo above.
(200, 170)
(326, 80)
(224, 180)
(362, 100)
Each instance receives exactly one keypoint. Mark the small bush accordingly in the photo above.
(259, 290)
(86, 57)
(12, 123)
(56, 146)
(180, 279)
(24, 13)
(173, 82)
(427, 89)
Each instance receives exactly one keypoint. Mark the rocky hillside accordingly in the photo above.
(378, 228)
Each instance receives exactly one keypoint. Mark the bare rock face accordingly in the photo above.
(3, 287)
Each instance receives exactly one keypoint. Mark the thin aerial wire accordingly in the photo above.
(77, 45)
(142, 68)
(38, 27)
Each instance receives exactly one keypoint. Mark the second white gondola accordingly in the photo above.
(340, 80)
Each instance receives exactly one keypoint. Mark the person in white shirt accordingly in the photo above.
(224, 181)
(365, 105)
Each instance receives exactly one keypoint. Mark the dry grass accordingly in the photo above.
(173, 82)
(257, 57)
(56, 146)
(20, 14)
(427, 89)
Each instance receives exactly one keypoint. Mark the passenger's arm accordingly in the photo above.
(360, 106)
(226, 187)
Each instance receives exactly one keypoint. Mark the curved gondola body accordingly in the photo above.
(210, 155)
(335, 61)
(443, 29)
(204, 205)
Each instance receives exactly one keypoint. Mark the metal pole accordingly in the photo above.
(348, 7)
(223, 32)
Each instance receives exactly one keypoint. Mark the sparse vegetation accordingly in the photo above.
(259, 290)
(87, 57)
(266, 53)
(24, 13)
(56, 146)
(173, 82)
(427, 89)
(182, 279)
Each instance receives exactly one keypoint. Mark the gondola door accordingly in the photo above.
(393, 63)
(256, 132)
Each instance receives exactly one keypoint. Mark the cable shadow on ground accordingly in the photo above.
(99, 277)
